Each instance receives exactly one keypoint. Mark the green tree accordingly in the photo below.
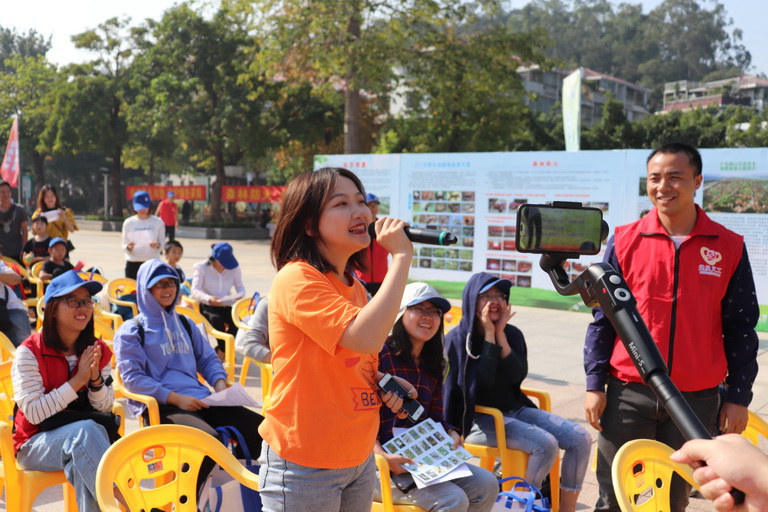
(30, 44)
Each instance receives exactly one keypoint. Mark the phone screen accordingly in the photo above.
(411, 406)
(543, 228)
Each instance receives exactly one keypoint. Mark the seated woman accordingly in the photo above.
(212, 284)
(63, 389)
(414, 351)
(488, 363)
(160, 354)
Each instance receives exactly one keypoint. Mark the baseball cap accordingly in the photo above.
(502, 284)
(170, 193)
(141, 200)
(222, 252)
(372, 198)
(162, 272)
(416, 293)
(68, 282)
(57, 240)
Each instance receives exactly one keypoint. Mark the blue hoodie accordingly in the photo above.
(466, 349)
(169, 361)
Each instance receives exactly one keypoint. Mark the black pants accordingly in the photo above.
(221, 319)
(242, 418)
(132, 268)
(170, 232)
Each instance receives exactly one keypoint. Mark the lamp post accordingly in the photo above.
(105, 173)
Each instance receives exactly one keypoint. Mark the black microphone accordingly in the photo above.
(422, 235)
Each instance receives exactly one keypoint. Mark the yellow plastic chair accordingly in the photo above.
(266, 379)
(122, 286)
(642, 475)
(40, 311)
(386, 504)
(113, 320)
(452, 318)
(756, 427)
(242, 309)
(189, 302)
(514, 462)
(7, 348)
(169, 452)
(229, 340)
(26, 485)
(153, 410)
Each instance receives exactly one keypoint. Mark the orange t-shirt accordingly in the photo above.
(324, 410)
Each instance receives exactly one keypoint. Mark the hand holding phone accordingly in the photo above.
(410, 406)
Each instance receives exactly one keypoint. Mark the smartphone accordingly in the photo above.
(562, 227)
(411, 406)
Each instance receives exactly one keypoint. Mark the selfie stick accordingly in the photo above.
(600, 285)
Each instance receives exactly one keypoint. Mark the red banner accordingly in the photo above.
(252, 194)
(159, 192)
(10, 167)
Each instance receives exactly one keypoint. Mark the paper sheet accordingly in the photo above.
(232, 396)
(51, 215)
(141, 238)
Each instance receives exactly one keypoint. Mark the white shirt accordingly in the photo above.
(208, 282)
(12, 301)
(142, 232)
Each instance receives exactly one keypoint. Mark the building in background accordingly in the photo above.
(745, 90)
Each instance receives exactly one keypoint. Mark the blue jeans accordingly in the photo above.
(541, 434)
(288, 487)
(20, 329)
(476, 493)
(76, 448)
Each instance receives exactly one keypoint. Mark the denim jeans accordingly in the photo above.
(76, 448)
(633, 412)
(541, 434)
(288, 487)
(20, 329)
(476, 493)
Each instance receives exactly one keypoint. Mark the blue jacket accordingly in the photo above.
(464, 353)
(168, 361)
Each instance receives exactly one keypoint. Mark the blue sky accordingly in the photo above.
(65, 18)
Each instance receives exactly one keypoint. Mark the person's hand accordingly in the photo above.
(154, 245)
(458, 439)
(505, 315)
(390, 235)
(214, 301)
(130, 246)
(396, 463)
(732, 461)
(489, 328)
(733, 418)
(594, 405)
(84, 369)
(95, 360)
(186, 402)
(392, 401)
(220, 385)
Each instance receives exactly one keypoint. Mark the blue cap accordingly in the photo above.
(141, 200)
(372, 198)
(68, 282)
(162, 272)
(502, 284)
(222, 252)
(57, 240)
(170, 193)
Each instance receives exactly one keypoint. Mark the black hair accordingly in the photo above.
(680, 147)
(431, 355)
(50, 333)
(4, 183)
(41, 218)
(171, 244)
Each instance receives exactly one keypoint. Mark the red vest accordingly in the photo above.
(376, 257)
(679, 296)
(54, 370)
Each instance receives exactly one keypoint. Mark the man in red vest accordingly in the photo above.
(376, 256)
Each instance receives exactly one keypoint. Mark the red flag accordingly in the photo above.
(10, 167)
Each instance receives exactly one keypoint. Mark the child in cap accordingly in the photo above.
(56, 265)
(143, 235)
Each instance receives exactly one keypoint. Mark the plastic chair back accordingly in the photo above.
(7, 348)
(642, 476)
(756, 427)
(122, 286)
(386, 504)
(172, 453)
(243, 308)
(452, 318)
(229, 340)
(266, 379)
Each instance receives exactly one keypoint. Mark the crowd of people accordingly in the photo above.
(331, 337)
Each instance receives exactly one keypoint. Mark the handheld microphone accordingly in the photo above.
(422, 235)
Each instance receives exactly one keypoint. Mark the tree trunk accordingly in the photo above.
(352, 102)
(215, 191)
(37, 165)
(116, 196)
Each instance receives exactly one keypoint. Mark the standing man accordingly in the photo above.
(376, 257)
(693, 284)
(13, 225)
(168, 212)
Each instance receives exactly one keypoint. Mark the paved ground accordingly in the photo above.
(554, 339)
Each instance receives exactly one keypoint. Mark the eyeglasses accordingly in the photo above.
(489, 296)
(429, 312)
(160, 285)
(74, 303)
